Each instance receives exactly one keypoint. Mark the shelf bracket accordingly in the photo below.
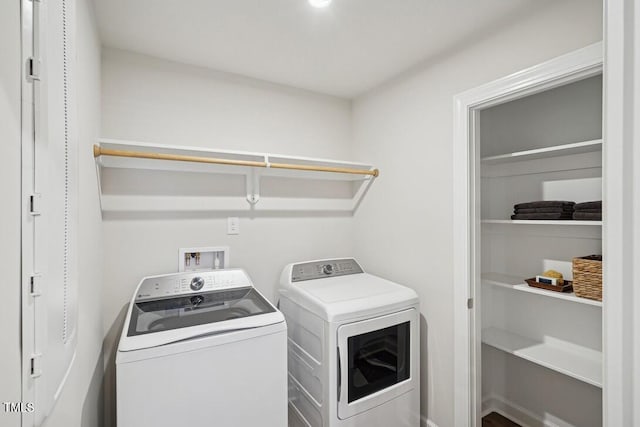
(361, 191)
(252, 181)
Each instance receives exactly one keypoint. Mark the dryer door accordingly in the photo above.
(376, 363)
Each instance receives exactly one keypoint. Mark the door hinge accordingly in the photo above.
(35, 282)
(36, 365)
(34, 204)
(470, 303)
(33, 69)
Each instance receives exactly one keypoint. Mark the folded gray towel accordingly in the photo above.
(589, 205)
(587, 216)
(542, 216)
(544, 204)
(561, 209)
(598, 211)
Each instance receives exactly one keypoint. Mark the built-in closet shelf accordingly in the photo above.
(516, 283)
(195, 162)
(578, 362)
(547, 152)
(541, 222)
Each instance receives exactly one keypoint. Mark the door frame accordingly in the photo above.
(621, 327)
(562, 70)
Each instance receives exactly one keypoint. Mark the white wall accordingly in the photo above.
(567, 114)
(148, 99)
(405, 129)
(81, 399)
(10, 368)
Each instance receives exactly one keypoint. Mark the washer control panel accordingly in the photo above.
(323, 269)
(172, 285)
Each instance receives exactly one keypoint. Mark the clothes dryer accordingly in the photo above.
(353, 346)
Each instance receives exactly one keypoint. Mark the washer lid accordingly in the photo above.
(158, 322)
(193, 310)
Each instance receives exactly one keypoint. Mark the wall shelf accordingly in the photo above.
(516, 283)
(541, 222)
(547, 152)
(578, 362)
(196, 162)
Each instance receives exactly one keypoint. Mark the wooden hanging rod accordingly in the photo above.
(99, 151)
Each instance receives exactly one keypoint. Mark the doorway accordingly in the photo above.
(476, 214)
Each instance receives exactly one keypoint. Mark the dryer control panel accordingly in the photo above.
(324, 268)
(171, 285)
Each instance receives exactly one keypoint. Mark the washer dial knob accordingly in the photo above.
(327, 269)
(197, 283)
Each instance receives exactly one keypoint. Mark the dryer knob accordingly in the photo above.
(196, 300)
(327, 269)
(197, 283)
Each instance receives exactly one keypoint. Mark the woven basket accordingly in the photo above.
(587, 277)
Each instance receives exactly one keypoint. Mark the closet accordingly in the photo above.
(541, 352)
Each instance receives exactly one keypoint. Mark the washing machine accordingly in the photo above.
(201, 349)
(353, 346)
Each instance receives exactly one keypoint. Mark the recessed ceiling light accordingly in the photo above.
(319, 3)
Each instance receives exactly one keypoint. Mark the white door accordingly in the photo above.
(375, 361)
(49, 187)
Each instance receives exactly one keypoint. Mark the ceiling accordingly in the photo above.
(343, 50)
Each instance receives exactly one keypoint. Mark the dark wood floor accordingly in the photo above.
(496, 420)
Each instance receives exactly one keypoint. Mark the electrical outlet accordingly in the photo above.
(209, 258)
(233, 225)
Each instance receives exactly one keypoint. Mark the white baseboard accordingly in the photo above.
(425, 422)
(518, 414)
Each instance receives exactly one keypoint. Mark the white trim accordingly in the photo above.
(564, 69)
(621, 327)
(508, 409)
(517, 413)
